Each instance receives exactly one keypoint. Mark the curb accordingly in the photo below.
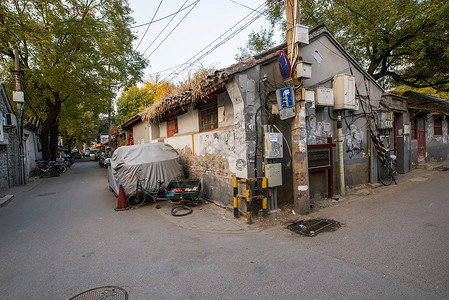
(5, 200)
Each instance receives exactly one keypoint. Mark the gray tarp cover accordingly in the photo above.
(153, 162)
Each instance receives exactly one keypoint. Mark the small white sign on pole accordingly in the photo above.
(17, 96)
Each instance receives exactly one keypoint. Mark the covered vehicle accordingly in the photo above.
(153, 162)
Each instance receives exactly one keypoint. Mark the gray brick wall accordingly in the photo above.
(9, 163)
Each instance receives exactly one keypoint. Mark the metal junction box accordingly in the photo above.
(273, 145)
(273, 173)
(302, 34)
(344, 92)
(304, 70)
(324, 96)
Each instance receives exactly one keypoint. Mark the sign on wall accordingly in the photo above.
(284, 65)
(286, 103)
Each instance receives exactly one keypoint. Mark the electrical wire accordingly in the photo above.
(187, 64)
(166, 27)
(141, 39)
(105, 31)
(241, 4)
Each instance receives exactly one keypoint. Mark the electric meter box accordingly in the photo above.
(324, 96)
(273, 173)
(309, 96)
(304, 70)
(302, 34)
(273, 145)
(385, 120)
(344, 92)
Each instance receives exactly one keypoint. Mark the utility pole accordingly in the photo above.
(18, 97)
(301, 195)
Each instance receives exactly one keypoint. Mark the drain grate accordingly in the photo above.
(314, 226)
(103, 293)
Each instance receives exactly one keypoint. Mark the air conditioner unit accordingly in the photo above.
(344, 92)
(10, 120)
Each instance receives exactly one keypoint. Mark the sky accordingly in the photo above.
(203, 24)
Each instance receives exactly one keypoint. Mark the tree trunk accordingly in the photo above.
(54, 141)
(49, 128)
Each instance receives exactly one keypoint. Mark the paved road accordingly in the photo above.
(63, 237)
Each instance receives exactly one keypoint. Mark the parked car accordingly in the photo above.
(151, 162)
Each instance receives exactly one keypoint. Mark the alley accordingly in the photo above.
(63, 237)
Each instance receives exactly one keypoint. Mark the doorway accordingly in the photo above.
(421, 137)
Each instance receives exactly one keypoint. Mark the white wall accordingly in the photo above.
(163, 130)
(189, 122)
(141, 133)
(225, 110)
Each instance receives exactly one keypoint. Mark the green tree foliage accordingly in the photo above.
(405, 41)
(135, 99)
(73, 55)
(257, 42)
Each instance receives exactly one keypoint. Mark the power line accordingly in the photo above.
(230, 36)
(141, 39)
(106, 31)
(162, 30)
(245, 6)
(196, 3)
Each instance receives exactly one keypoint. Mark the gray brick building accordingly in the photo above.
(9, 143)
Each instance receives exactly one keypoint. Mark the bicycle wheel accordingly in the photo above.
(135, 200)
(54, 171)
(385, 175)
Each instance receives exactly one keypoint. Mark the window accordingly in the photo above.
(172, 127)
(437, 126)
(209, 118)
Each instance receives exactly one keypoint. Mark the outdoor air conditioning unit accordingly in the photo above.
(344, 92)
(10, 120)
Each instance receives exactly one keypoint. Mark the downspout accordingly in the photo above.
(340, 155)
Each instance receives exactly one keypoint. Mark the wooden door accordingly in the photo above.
(421, 137)
(172, 127)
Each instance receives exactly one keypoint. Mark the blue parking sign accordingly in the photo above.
(286, 103)
(286, 95)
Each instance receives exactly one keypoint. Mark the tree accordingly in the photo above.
(404, 41)
(135, 99)
(257, 42)
(72, 52)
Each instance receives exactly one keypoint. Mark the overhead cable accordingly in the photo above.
(196, 3)
(234, 32)
(151, 22)
(108, 31)
(154, 40)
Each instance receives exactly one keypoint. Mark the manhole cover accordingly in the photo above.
(314, 226)
(103, 293)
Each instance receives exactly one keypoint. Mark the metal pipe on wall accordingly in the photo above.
(340, 155)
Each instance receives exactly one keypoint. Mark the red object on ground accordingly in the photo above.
(121, 201)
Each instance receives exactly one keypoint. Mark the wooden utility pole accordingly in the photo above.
(301, 196)
(18, 88)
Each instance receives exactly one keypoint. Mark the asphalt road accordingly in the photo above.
(63, 237)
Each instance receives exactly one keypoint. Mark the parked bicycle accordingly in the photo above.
(387, 172)
(48, 168)
(143, 194)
